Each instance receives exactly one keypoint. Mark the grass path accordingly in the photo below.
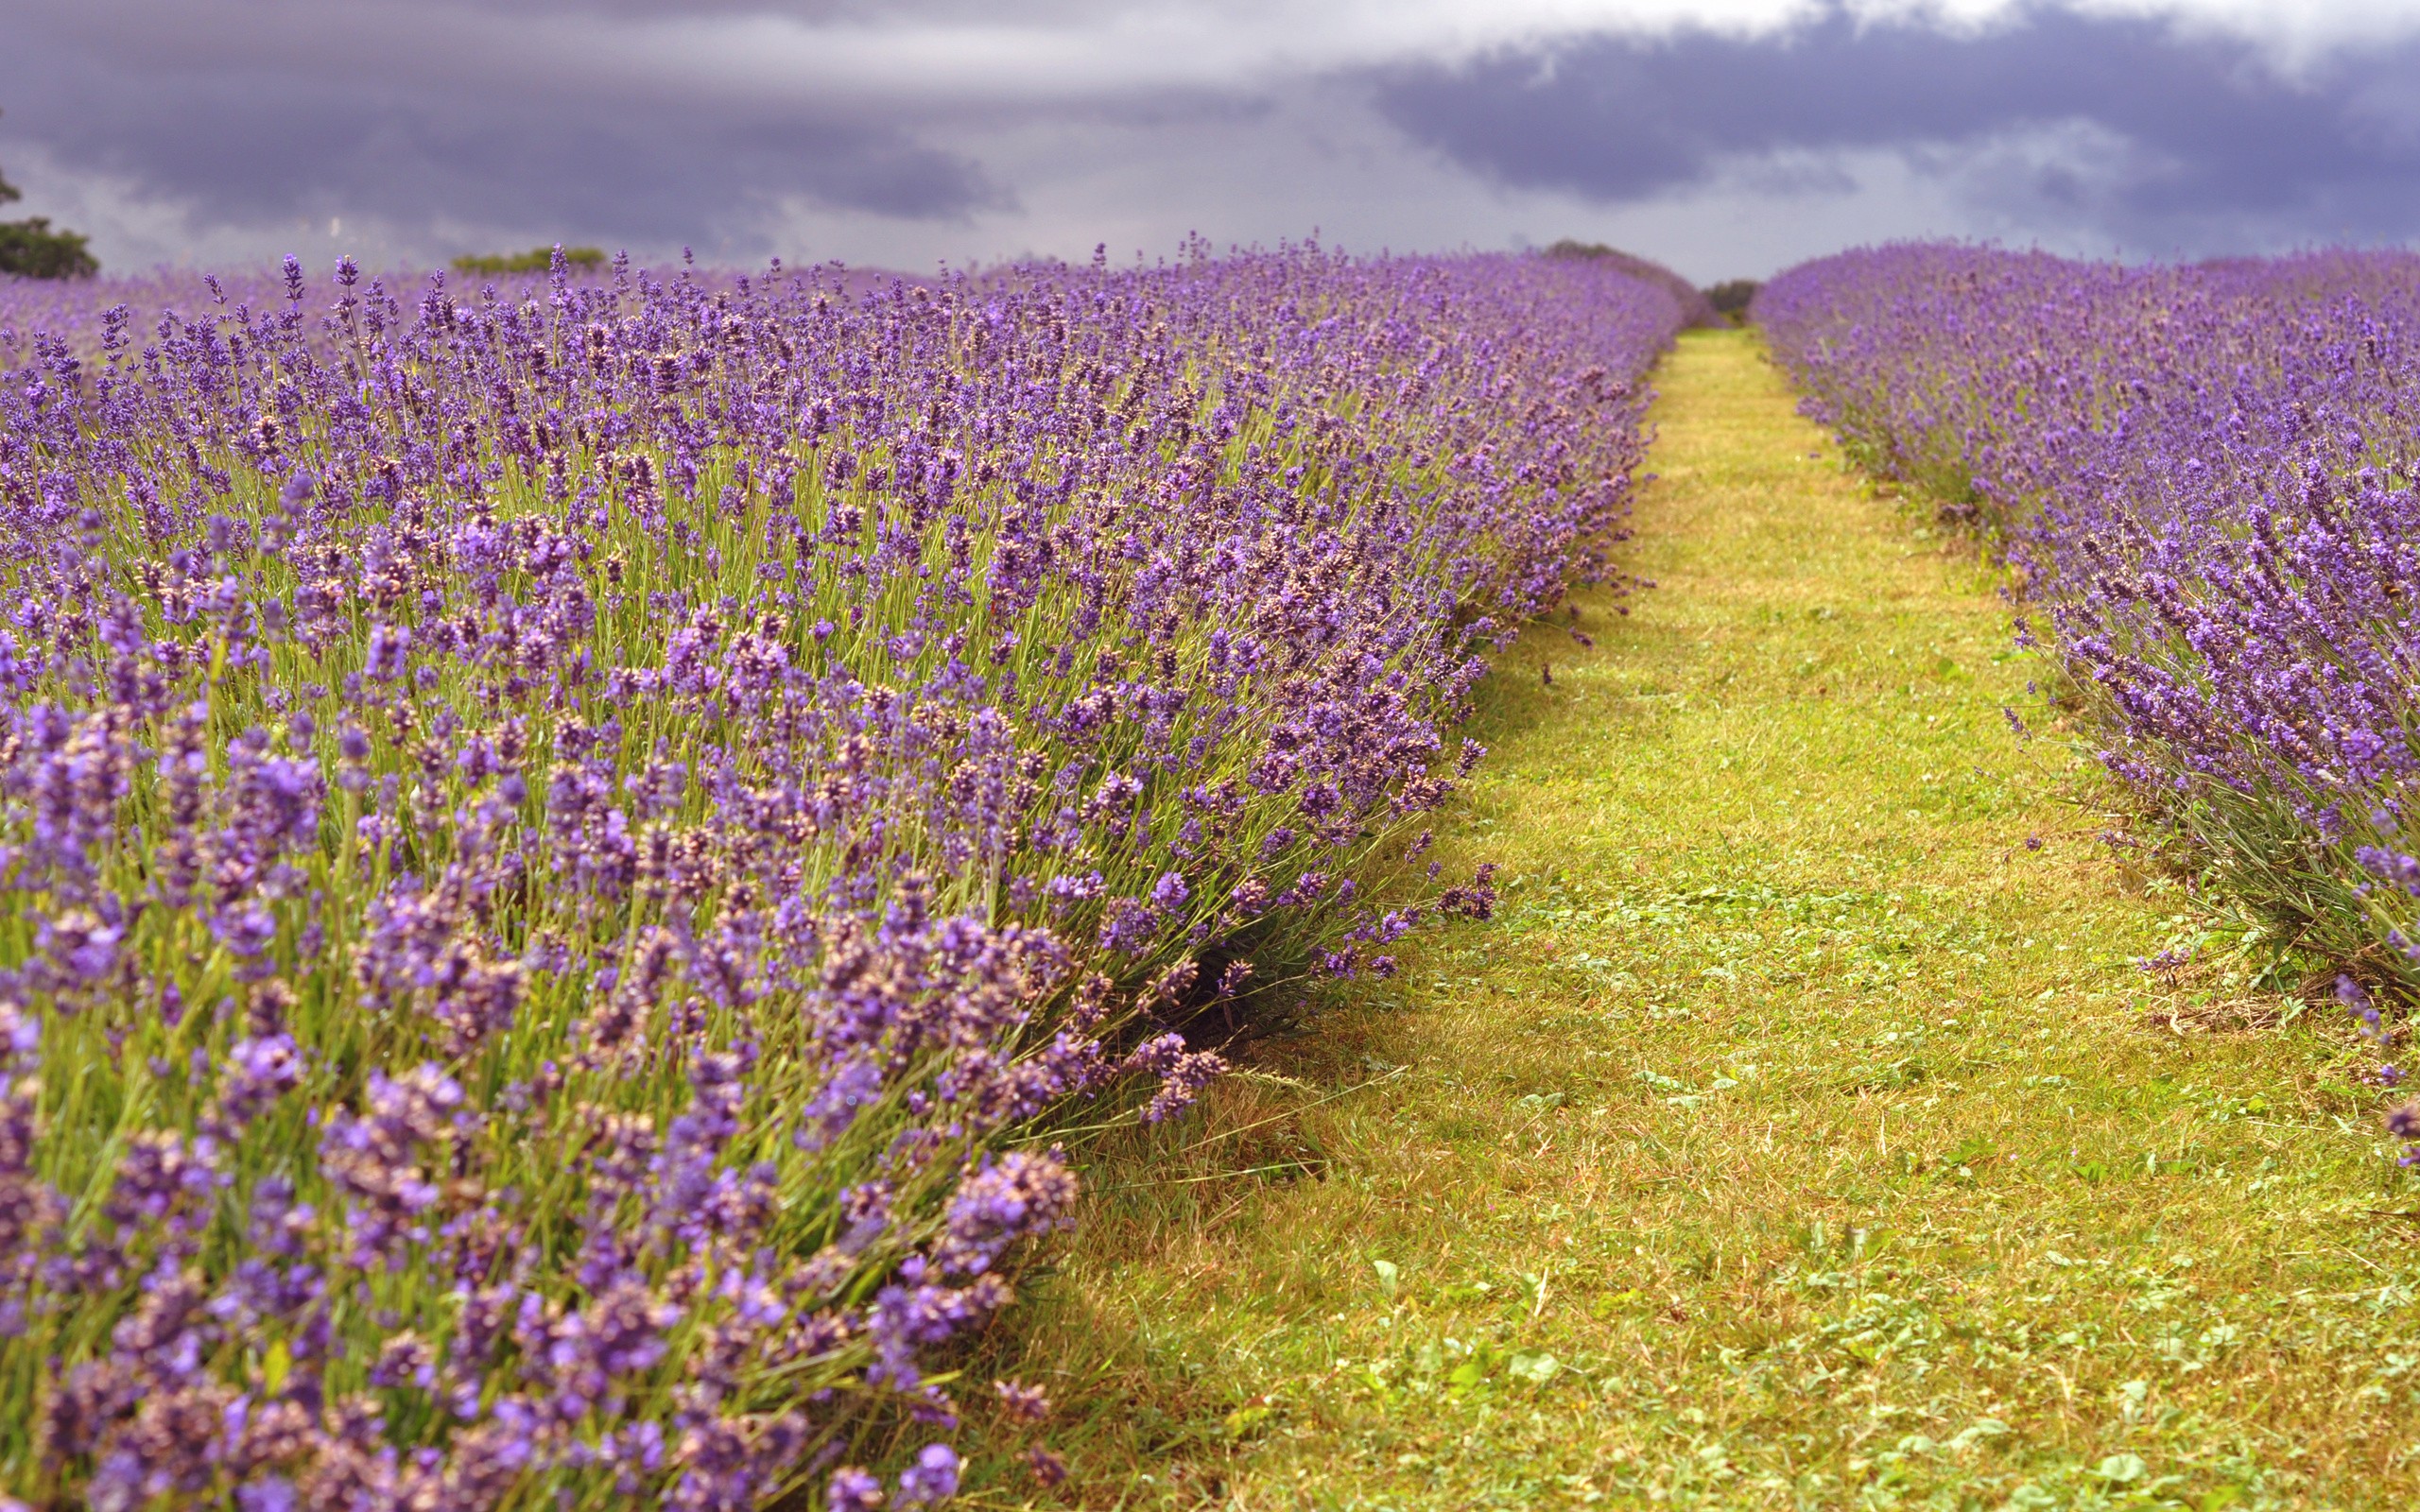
(1797, 1134)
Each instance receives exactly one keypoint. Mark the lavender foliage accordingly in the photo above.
(2203, 476)
(566, 841)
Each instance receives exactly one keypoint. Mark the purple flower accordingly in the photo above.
(1048, 1470)
(932, 1478)
(257, 1073)
(853, 1490)
(79, 945)
(389, 654)
(1128, 926)
(376, 1158)
(244, 932)
(162, 1175)
(1019, 1195)
(829, 1113)
(273, 1493)
(1183, 1073)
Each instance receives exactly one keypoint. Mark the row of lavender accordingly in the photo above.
(2205, 477)
(567, 846)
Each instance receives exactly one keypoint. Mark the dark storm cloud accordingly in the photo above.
(911, 129)
(2196, 128)
(241, 117)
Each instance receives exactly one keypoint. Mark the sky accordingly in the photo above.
(1727, 138)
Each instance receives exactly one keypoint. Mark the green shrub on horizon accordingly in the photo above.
(29, 249)
(536, 260)
(1731, 297)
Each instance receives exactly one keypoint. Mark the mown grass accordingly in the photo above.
(1797, 1135)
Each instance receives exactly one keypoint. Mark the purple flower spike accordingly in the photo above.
(853, 1490)
(1020, 1196)
(933, 1477)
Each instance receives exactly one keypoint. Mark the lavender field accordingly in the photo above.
(2203, 478)
(576, 848)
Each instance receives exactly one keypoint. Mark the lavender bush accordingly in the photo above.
(567, 842)
(2203, 476)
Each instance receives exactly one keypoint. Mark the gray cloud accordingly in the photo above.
(340, 114)
(1721, 135)
(2176, 131)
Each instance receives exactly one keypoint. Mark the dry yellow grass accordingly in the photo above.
(1797, 1135)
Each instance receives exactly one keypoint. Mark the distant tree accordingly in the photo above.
(31, 248)
(1731, 297)
(536, 260)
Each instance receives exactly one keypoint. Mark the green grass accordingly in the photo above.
(1795, 1136)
